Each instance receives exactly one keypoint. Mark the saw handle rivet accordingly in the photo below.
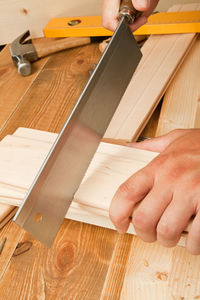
(74, 22)
(38, 217)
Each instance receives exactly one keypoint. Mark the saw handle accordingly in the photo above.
(128, 11)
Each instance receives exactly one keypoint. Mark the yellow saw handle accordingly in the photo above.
(128, 11)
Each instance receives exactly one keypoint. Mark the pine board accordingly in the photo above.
(162, 56)
(45, 106)
(23, 153)
(181, 101)
(10, 98)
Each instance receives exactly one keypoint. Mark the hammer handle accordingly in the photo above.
(60, 44)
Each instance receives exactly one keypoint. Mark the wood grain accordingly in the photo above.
(180, 105)
(162, 56)
(12, 85)
(45, 106)
(154, 272)
(13, 234)
(22, 154)
(74, 268)
(117, 268)
(35, 15)
(54, 274)
(11, 96)
(54, 91)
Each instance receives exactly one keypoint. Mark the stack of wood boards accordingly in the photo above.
(162, 56)
(23, 153)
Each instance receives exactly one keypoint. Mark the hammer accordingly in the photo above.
(24, 52)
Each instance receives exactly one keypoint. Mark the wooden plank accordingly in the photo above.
(181, 101)
(54, 91)
(79, 251)
(35, 15)
(21, 158)
(116, 272)
(162, 56)
(5, 210)
(147, 272)
(13, 234)
(13, 86)
(8, 216)
(11, 97)
(45, 107)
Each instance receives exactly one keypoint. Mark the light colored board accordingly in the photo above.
(147, 272)
(12, 96)
(38, 90)
(181, 101)
(34, 15)
(162, 55)
(23, 153)
(79, 248)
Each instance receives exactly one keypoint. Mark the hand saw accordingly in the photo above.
(159, 23)
(52, 191)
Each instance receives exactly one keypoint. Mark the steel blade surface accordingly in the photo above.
(48, 199)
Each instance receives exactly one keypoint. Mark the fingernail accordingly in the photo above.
(143, 4)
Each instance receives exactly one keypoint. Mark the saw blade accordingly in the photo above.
(52, 191)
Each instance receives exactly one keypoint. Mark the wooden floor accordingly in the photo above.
(85, 262)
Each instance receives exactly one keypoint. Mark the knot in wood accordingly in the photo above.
(66, 256)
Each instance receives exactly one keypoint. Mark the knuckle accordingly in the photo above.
(124, 188)
(193, 250)
(166, 232)
(176, 171)
(141, 221)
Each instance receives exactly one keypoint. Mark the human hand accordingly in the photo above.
(110, 12)
(162, 197)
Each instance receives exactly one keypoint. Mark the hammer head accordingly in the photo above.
(23, 53)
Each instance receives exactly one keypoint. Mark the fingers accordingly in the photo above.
(138, 22)
(193, 239)
(159, 144)
(141, 5)
(126, 197)
(174, 219)
(147, 214)
(110, 12)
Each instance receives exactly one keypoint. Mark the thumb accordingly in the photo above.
(159, 144)
(141, 5)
